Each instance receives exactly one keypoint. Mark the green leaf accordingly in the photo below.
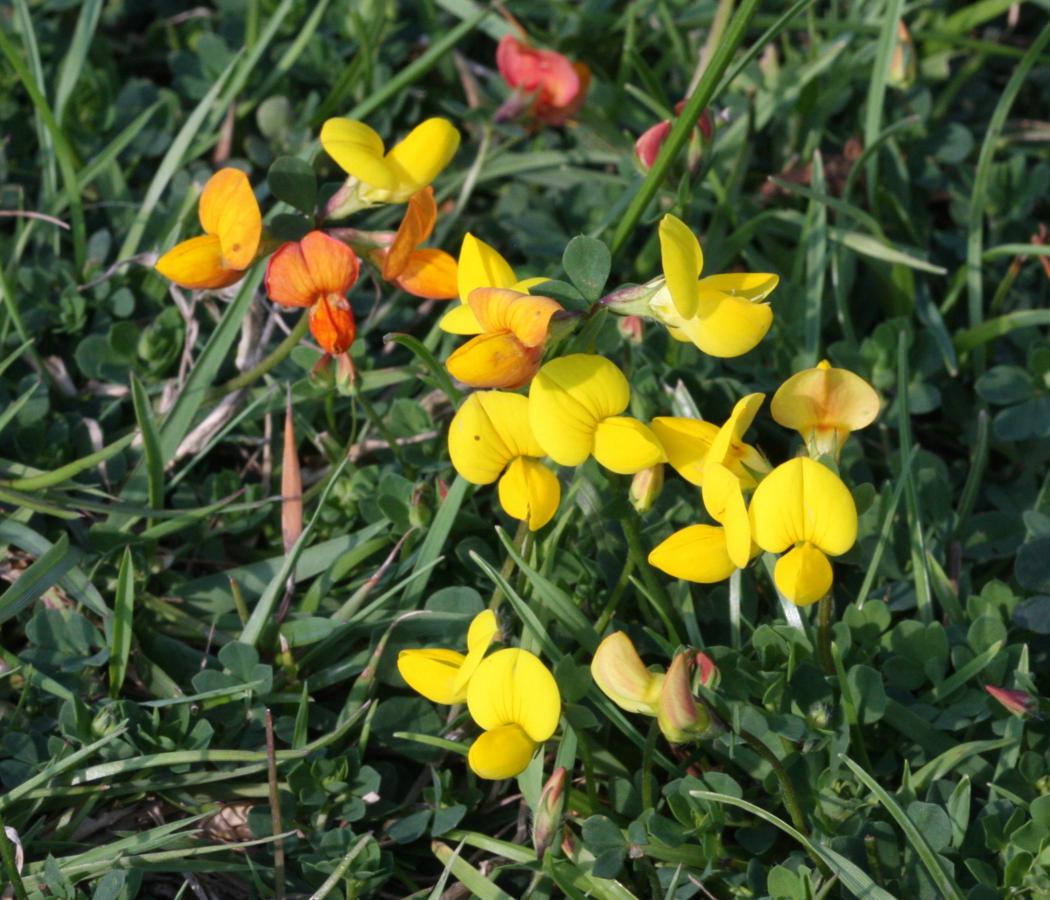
(46, 571)
(587, 262)
(869, 694)
(1032, 566)
(151, 451)
(293, 181)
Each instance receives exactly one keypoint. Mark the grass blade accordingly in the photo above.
(815, 238)
(918, 841)
(123, 612)
(434, 542)
(982, 180)
(151, 452)
(877, 88)
(45, 572)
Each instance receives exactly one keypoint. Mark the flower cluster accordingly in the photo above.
(317, 272)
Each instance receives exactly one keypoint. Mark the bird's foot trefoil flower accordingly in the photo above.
(232, 223)
(381, 176)
(723, 315)
(423, 272)
(825, 405)
(575, 406)
(442, 675)
(315, 273)
(546, 85)
(803, 507)
(490, 438)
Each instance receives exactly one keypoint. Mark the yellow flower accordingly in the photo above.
(490, 437)
(622, 676)
(824, 405)
(379, 176)
(232, 223)
(574, 407)
(508, 348)
(710, 553)
(723, 315)
(803, 505)
(515, 699)
(480, 266)
(442, 675)
(687, 442)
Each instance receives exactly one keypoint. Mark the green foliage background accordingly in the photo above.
(899, 213)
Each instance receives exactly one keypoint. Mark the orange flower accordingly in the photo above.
(508, 348)
(648, 146)
(423, 272)
(555, 86)
(316, 272)
(232, 223)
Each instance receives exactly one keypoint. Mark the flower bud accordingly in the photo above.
(622, 676)
(646, 486)
(631, 327)
(708, 670)
(549, 811)
(1019, 703)
(680, 716)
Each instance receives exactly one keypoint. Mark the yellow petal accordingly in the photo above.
(526, 284)
(228, 209)
(198, 264)
(460, 320)
(512, 687)
(524, 316)
(682, 261)
(494, 360)
(726, 326)
(803, 575)
(481, 266)
(730, 435)
(475, 445)
(358, 151)
(425, 151)
(824, 398)
(529, 491)
(501, 753)
(753, 286)
(568, 397)
(622, 676)
(432, 672)
(624, 445)
(483, 629)
(724, 500)
(803, 501)
(686, 442)
(695, 553)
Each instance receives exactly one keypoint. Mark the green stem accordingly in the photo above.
(685, 123)
(520, 536)
(614, 597)
(647, 765)
(658, 595)
(282, 350)
(790, 797)
(825, 611)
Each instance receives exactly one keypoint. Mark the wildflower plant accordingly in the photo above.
(598, 453)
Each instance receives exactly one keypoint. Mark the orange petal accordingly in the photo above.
(228, 209)
(415, 227)
(430, 274)
(494, 361)
(332, 324)
(197, 264)
(525, 316)
(301, 272)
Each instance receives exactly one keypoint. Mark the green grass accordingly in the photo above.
(151, 620)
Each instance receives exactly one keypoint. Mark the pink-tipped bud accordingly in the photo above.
(549, 811)
(1017, 702)
(647, 147)
(646, 486)
(707, 669)
(632, 328)
(681, 717)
